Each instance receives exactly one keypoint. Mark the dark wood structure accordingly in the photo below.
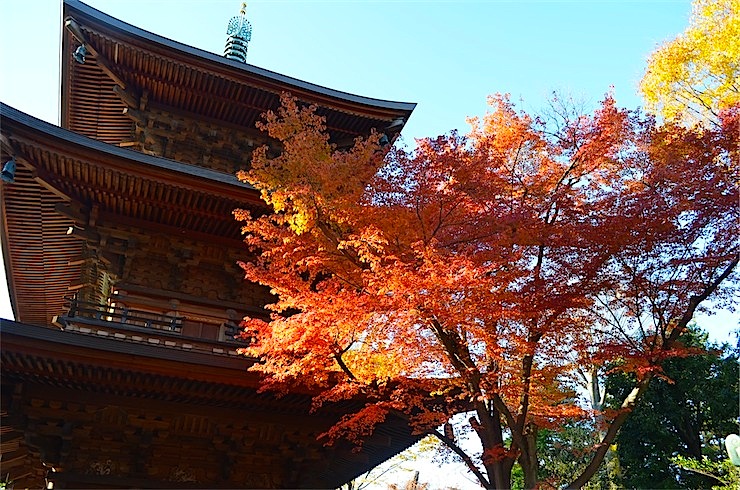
(121, 369)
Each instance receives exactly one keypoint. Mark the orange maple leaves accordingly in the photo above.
(491, 263)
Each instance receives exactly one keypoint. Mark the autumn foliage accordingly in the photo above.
(478, 272)
(695, 76)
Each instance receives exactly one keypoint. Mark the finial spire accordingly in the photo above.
(240, 33)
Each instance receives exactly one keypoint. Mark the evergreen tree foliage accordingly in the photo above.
(686, 413)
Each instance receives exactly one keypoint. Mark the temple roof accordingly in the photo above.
(175, 391)
(155, 73)
(57, 167)
(81, 197)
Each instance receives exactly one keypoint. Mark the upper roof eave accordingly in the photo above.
(80, 11)
(13, 117)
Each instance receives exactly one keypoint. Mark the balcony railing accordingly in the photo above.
(123, 315)
(120, 318)
(163, 330)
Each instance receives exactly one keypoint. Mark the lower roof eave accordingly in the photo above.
(110, 352)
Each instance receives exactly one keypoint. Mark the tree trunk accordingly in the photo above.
(611, 434)
(528, 458)
(490, 433)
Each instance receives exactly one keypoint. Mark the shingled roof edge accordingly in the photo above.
(97, 15)
(52, 130)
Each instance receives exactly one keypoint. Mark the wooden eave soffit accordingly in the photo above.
(39, 176)
(126, 96)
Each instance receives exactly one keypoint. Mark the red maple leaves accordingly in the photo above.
(484, 268)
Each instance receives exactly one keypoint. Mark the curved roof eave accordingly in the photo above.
(12, 115)
(76, 6)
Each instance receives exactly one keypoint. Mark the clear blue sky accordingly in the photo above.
(446, 56)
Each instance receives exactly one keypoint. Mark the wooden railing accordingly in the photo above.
(138, 322)
(123, 315)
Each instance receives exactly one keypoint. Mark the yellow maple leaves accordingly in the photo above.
(695, 76)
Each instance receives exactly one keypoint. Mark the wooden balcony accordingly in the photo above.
(166, 330)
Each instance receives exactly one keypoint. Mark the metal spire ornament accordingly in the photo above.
(240, 33)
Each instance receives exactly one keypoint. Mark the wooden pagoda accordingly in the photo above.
(121, 369)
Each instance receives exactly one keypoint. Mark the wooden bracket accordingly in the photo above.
(74, 27)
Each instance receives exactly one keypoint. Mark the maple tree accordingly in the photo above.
(477, 273)
(696, 75)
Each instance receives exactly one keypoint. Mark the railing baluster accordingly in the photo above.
(136, 318)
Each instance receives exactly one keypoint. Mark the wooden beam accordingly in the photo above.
(73, 27)
(73, 212)
(126, 97)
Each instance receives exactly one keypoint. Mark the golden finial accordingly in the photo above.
(243, 10)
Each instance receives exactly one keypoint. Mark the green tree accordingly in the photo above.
(563, 452)
(724, 473)
(685, 413)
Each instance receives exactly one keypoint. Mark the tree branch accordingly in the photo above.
(698, 299)
(611, 433)
(344, 367)
(463, 455)
(642, 385)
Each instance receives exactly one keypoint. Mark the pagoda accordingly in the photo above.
(121, 368)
